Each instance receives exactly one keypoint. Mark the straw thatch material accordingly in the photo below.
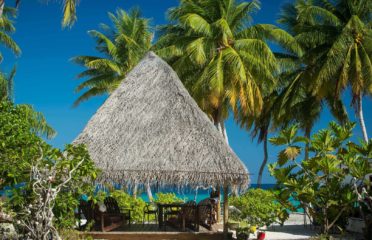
(151, 129)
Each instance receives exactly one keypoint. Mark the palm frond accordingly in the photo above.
(122, 45)
(69, 13)
(6, 40)
(93, 92)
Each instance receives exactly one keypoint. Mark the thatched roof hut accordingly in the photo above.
(151, 130)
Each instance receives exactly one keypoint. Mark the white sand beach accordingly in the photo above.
(293, 229)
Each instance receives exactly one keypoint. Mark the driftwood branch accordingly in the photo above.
(38, 217)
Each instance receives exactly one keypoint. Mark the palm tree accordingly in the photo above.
(291, 102)
(122, 47)
(7, 28)
(260, 127)
(36, 119)
(296, 102)
(336, 36)
(69, 11)
(7, 86)
(304, 109)
(223, 60)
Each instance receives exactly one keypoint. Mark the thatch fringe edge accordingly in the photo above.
(179, 178)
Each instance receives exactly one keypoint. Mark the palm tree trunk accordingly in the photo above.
(2, 4)
(224, 132)
(259, 179)
(135, 190)
(361, 119)
(307, 146)
(218, 187)
(149, 193)
(217, 124)
(220, 125)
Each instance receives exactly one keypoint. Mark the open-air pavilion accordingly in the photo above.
(151, 131)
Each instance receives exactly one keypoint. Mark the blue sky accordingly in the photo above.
(46, 78)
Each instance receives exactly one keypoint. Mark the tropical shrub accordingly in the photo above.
(48, 199)
(324, 183)
(44, 183)
(167, 198)
(20, 130)
(257, 207)
(126, 201)
(68, 199)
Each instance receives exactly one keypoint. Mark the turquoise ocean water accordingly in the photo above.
(192, 194)
(200, 194)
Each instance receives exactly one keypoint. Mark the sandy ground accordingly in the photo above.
(293, 229)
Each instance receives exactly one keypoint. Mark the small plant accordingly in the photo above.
(320, 182)
(257, 207)
(242, 233)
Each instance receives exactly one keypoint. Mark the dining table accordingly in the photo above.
(166, 208)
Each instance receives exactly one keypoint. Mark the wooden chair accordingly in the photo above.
(150, 209)
(86, 208)
(189, 216)
(170, 215)
(106, 221)
(186, 217)
(112, 218)
(206, 212)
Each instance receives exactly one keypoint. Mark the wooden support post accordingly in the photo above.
(135, 190)
(218, 189)
(225, 208)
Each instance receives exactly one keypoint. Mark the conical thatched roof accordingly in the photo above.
(151, 129)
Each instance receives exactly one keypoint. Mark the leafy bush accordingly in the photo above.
(325, 182)
(257, 207)
(167, 198)
(126, 201)
(47, 173)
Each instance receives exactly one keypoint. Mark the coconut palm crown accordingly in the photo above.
(69, 11)
(6, 29)
(221, 58)
(336, 38)
(121, 47)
